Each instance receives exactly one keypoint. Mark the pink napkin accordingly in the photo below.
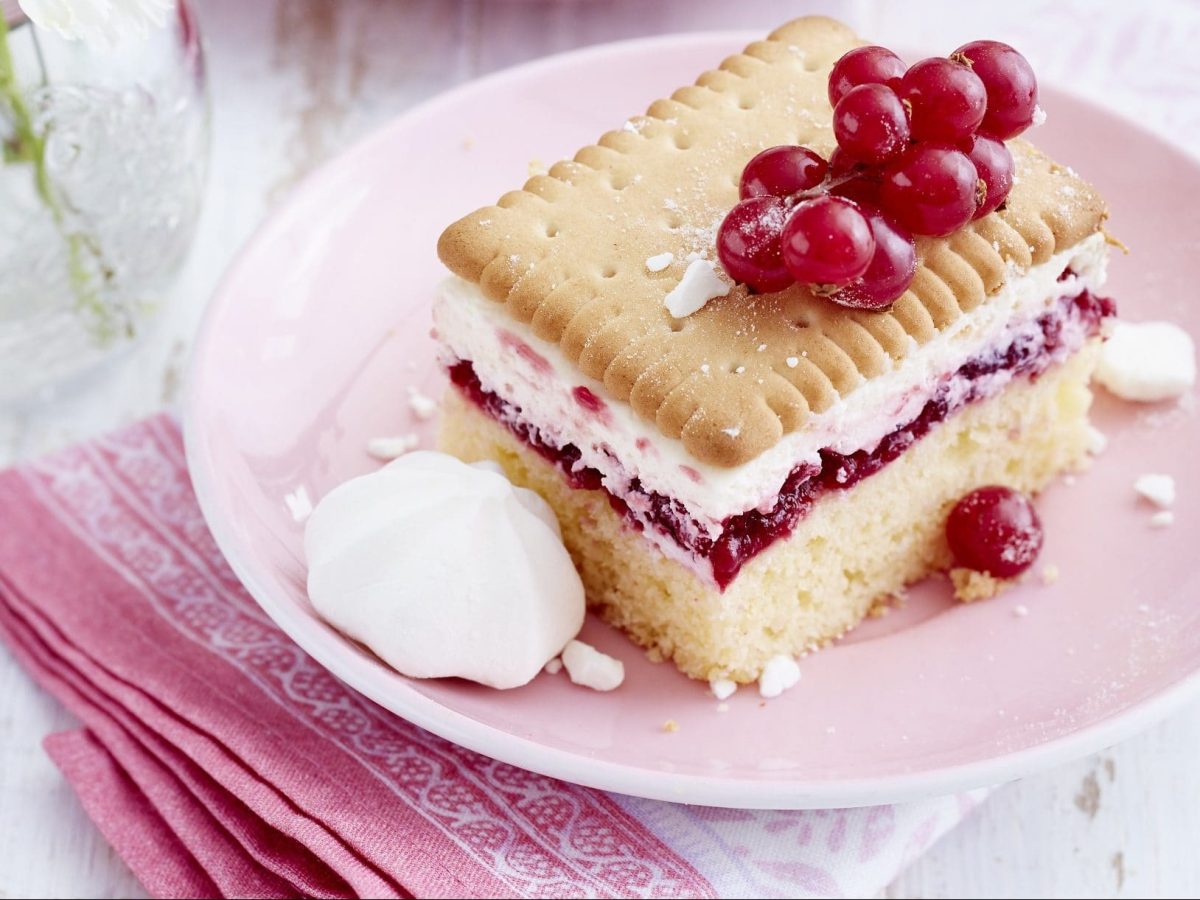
(220, 760)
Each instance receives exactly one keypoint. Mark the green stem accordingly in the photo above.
(29, 146)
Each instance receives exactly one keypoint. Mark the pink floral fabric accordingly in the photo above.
(220, 760)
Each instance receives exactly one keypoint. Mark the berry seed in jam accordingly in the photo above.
(995, 530)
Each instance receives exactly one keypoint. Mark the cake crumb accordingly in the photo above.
(1049, 573)
(884, 605)
(1162, 519)
(779, 674)
(389, 448)
(588, 667)
(722, 688)
(1158, 489)
(553, 667)
(424, 408)
(970, 585)
(654, 655)
(536, 167)
(670, 726)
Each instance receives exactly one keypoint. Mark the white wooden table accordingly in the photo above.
(294, 81)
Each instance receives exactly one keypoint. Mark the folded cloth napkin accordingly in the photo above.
(220, 760)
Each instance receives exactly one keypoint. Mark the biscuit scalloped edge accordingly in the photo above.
(566, 256)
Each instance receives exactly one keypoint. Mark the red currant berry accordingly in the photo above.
(841, 164)
(890, 272)
(863, 189)
(994, 165)
(782, 171)
(870, 124)
(863, 65)
(827, 241)
(995, 530)
(931, 190)
(947, 101)
(748, 244)
(1012, 91)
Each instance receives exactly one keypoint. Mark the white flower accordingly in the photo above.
(97, 21)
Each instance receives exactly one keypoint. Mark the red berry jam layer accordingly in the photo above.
(744, 536)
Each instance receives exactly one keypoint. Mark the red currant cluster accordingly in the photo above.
(920, 151)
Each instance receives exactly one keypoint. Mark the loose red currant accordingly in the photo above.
(782, 171)
(863, 65)
(1012, 91)
(890, 272)
(827, 241)
(947, 101)
(870, 124)
(995, 530)
(931, 189)
(994, 165)
(748, 244)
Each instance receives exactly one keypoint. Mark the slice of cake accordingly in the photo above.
(741, 474)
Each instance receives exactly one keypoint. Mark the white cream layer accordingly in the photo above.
(622, 447)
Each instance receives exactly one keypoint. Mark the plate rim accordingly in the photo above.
(713, 789)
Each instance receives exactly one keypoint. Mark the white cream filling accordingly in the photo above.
(622, 447)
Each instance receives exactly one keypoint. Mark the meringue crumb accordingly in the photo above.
(1097, 441)
(1020, 610)
(732, 432)
(779, 674)
(1158, 489)
(1164, 518)
(424, 408)
(699, 284)
(389, 448)
(1049, 573)
(761, 348)
(1039, 116)
(722, 707)
(660, 262)
(723, 688)
(829, 729)
(299, 504)
(1069, 480)
(1147, 361)
(970, 585)
(553, 667)
(740, 370)
(793, 361)
(588, 667)
(670, 726)
(704, 369)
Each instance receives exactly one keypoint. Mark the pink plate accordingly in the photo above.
(323, 322)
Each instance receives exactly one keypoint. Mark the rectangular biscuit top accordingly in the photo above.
(567, 256)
